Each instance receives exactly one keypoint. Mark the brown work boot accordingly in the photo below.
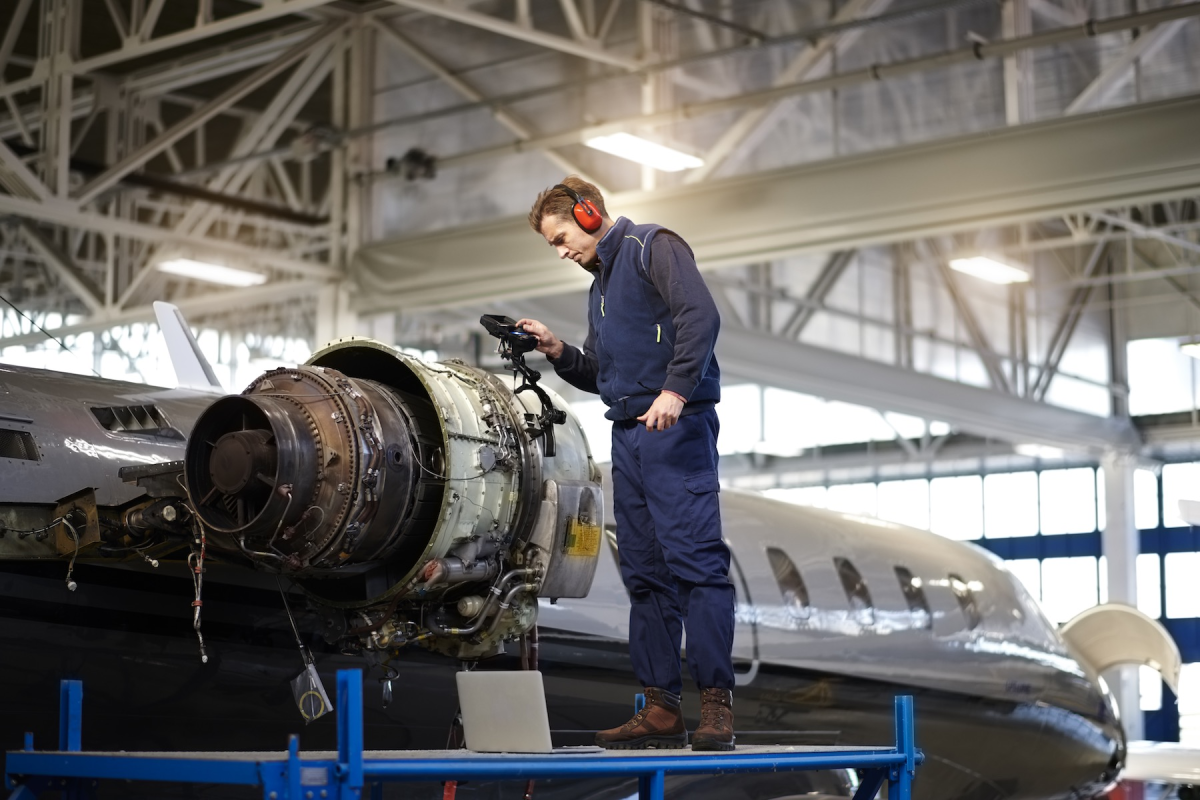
(716, 721)
(659, 724)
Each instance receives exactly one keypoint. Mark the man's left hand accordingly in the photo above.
(663, 413)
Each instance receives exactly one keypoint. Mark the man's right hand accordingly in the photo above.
(548, 343)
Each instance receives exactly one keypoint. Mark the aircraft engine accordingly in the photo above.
(410, 501)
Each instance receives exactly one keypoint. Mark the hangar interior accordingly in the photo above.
(365, 167)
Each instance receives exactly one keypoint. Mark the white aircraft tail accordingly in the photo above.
(191, 367)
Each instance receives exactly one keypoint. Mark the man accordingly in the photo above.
(652, 325)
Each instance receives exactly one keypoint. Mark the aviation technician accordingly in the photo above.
(652, 326)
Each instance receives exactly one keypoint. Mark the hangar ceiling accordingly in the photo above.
(374, 161)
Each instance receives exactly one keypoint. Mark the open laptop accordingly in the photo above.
(504, 712)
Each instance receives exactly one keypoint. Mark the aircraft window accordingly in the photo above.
(966, 601)
(856, 589)
(139, 420)
(914, 595)
(18, 445)
(791, 585)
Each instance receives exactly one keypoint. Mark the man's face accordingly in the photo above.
(570, 241)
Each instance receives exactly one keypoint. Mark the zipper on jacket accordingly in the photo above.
(658, 338)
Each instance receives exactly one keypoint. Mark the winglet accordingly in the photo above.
(191, 367)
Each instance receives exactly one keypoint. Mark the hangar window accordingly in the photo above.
(791, 585)
(856, 590)
(18, 445)
(914, 594)
(145, 420)
(964, 593)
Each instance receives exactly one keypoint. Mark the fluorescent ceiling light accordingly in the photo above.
(989, 269)
(1039, 451)
(214, 273)
(634, 148)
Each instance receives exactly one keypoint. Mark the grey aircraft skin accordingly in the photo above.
(837, 614)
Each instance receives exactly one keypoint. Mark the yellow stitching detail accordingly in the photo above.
(639, 241)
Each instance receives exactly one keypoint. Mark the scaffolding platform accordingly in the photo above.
(351, 772)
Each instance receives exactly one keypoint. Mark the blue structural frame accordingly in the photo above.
(347, 776)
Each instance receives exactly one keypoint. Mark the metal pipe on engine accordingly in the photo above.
(481, 617)
(525, 587)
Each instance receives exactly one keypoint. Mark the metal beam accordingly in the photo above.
(1146, 231)
(999, 177)
(877, 72)
(1117, 71)
(1066, 325)
(817, 292)
(12, 31)
(801, 65)
(61, 265)
(798, 367)
(203, 114)
(132, 48)
(502, 115)
(266, 130)
(214, 303)
(208, 65)
(519, 32)
(18, 178)
(63, 214)
(979, 341)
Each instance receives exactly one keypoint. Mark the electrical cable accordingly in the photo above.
(46, 332)
(71, 585)
(196, 562)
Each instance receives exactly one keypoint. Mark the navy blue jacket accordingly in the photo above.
(652, 325)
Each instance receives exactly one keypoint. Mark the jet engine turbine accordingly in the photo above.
(410, 501)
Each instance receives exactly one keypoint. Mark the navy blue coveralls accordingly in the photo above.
(652, 325)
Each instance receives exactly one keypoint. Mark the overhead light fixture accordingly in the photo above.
(1038, 450)
(213, 273)
(989, 269)
(643, 151)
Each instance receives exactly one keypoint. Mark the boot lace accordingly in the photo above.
(638, 718)
(712, 716)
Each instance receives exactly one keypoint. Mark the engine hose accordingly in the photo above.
(524, 587)
(481, 617)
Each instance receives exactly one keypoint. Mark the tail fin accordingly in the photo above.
(191, 367)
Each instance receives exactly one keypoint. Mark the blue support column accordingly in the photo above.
(350, 733)
(293, 768)
(900, 779)
(70, 716)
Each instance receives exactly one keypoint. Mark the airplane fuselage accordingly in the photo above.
(836, 615)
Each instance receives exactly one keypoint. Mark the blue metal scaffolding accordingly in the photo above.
(348, 773)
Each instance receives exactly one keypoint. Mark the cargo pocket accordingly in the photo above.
(703, 513)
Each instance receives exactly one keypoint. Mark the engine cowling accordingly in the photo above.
(409, 500)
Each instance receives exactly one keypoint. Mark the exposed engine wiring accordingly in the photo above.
(196, 562)
(71, 585)
(41, 532)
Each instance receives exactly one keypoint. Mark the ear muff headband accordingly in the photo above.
(585, 212)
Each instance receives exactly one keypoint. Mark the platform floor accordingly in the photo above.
(586, 751)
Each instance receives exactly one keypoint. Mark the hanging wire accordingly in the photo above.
(196, 562)
(46, 332)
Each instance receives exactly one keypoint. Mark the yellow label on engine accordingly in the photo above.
(582, 539)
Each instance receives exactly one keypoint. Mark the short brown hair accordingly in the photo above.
(554, 202)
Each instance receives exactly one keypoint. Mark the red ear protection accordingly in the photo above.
(585, 212)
